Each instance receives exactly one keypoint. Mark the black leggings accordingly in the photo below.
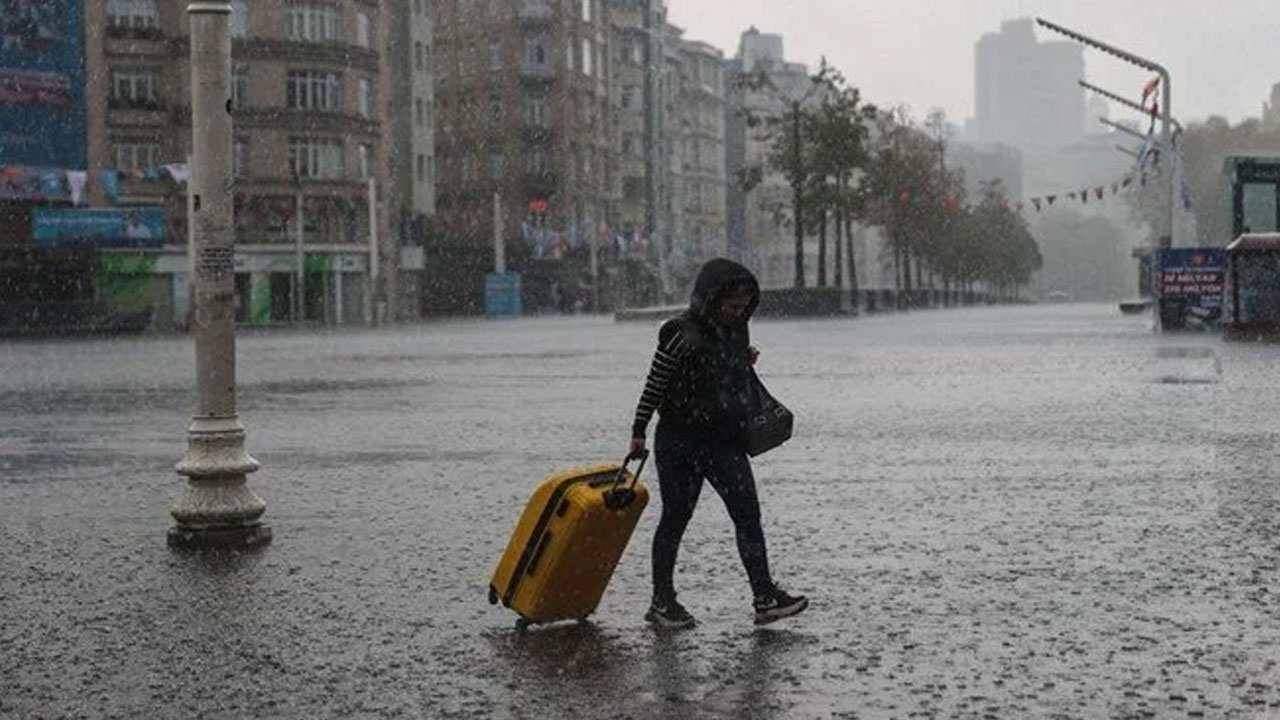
(683, 461)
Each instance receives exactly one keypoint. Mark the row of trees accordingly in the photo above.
(849, 162)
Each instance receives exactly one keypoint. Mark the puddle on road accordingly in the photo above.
(1191, 365)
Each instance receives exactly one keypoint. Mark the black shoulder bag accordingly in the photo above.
(769, 422)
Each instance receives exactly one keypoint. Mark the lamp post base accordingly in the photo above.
(238, 538)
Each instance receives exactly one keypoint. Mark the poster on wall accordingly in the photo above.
(42, 111)
(99, 227)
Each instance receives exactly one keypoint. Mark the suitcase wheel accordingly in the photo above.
(522, 625)
(493, 595)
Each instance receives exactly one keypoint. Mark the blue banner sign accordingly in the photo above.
(42, 95)
(502, 295)
(99, 227)
(1193, 279)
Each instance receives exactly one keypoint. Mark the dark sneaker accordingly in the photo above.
(669, 614)
(779, 605)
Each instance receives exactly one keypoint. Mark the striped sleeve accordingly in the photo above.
(665, 361)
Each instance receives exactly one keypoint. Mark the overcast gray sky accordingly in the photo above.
(1223, 55)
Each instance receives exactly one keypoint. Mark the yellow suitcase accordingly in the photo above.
(568, 541)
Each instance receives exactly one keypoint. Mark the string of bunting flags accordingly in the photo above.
(48, 184)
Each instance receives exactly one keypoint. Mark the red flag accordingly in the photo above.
(1098, 191)
(1152, 85)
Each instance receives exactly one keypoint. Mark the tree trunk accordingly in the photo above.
(838, 270)
(853, 265)
(822, 249)
(897, 266)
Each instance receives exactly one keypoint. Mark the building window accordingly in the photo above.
(130, 154)
(239, 19)
(586, 10)
(495, 108)
(537, 161)
(366, 152)
(495, 54)
(133, 87)
(315, 157)
(536, 53)
(365, 97)
(313, 90)
(628, 98)
(131, 14)
(468, 167)
(313, 22)
(535, 110)
(364, 29)
(588, 55)
(419, 56)
(419, 111)
(240, 157)
(497, 165)
(422, 168)
(240, 87)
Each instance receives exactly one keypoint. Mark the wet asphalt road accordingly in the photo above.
(1013, 513)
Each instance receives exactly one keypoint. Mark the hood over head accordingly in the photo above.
(716, 278)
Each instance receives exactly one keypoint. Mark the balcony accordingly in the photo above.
(127, 112)
(133, 33)
(540, 184)
(536, 134)
(537, 74)
(534, 15)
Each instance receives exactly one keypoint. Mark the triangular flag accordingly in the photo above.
(1051, 198)
(1084, 196)
(1126, 182)
(1036, 202)
(76, 180)
(1071, 195)
(1098, 191)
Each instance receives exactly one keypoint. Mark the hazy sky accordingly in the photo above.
(1223, 55)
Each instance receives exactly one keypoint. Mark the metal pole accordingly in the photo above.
(216, 508)
(1121, 128)
(499, 247)
(300, 258)
(377, 306)
(1166, 112)
(797, 187)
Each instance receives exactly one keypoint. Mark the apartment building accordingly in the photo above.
(324, 152)
(523, 140)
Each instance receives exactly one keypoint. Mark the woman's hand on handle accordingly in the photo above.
(637, 445)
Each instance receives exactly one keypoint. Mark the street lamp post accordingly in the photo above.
(797, 190)
(1166, 109)
(216, 509)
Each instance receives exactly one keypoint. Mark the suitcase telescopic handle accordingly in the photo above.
(618, 497)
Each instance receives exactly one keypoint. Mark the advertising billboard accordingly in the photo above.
(1190, 284)
(42, 95)
(99, 227)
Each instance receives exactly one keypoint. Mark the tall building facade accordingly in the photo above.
(522, 115)
(759, 197)
(696, 134)
(1025, 91)
(313, 181)
(408, 157)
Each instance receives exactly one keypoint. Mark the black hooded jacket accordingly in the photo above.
(701, 373)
